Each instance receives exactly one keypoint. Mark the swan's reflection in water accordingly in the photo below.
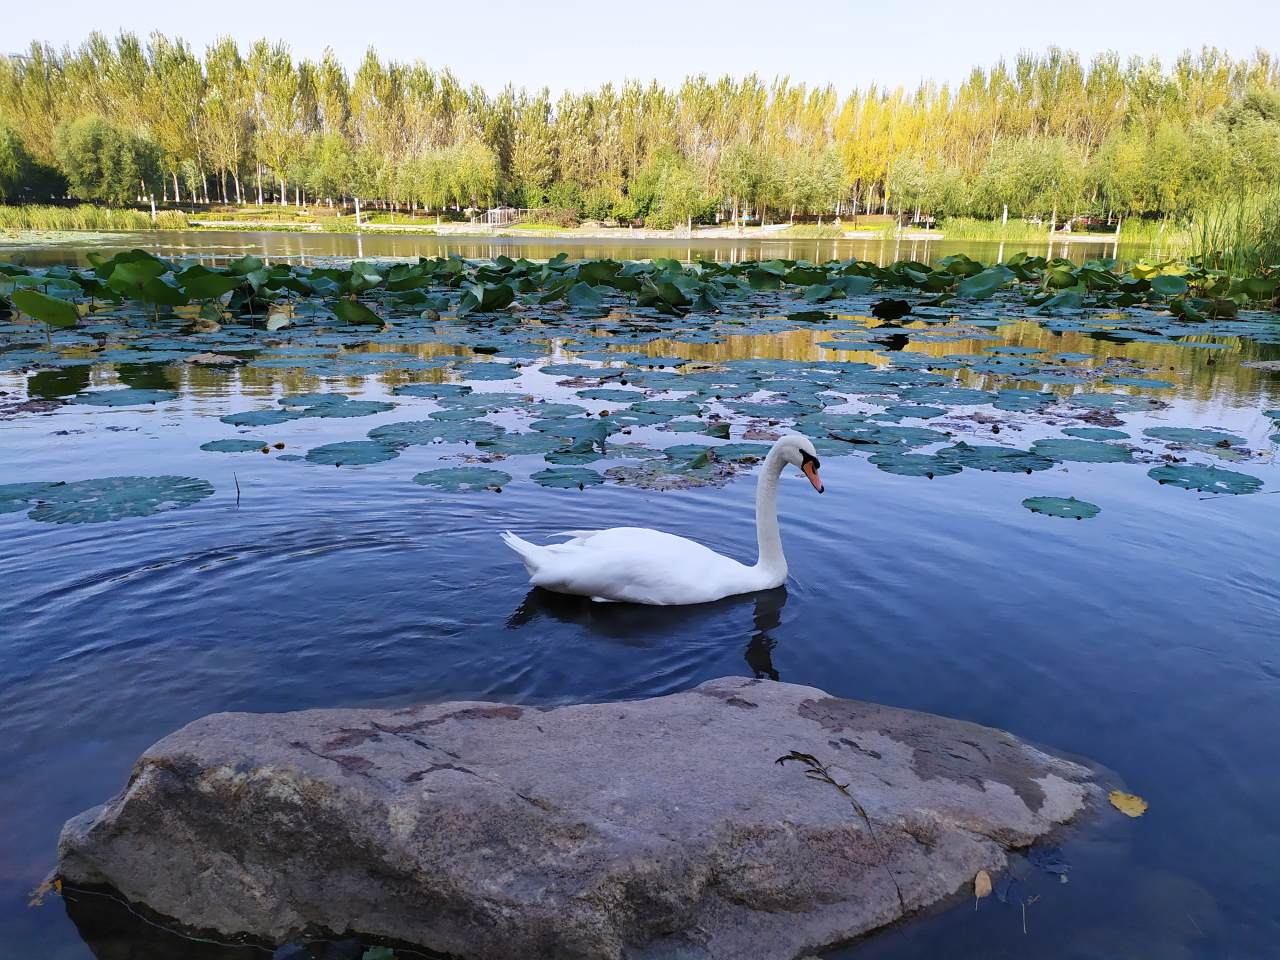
(637, 624)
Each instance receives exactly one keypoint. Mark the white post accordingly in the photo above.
(153, 209)
(357, 200)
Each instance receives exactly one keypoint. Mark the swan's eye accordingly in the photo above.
(807, 459)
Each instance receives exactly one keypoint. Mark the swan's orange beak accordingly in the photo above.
(810, 470)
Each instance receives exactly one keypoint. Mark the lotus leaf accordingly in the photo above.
(233, 445)
(463, 479)
(567, 477)
(994, 459)
(352, 452)
(1193, 435)
(124, 397)
(261, 418)
(423, 432)
(1068, 507)
(1081, 451)
(914, 464)
(1190, 476)
(1095, 433)
(117, 498)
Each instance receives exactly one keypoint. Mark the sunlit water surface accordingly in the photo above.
(1145, 639)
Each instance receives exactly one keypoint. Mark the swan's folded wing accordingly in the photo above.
(576, 536)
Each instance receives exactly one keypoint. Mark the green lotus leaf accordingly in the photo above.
(1081, 451)
(46, 309)
(554, 410)
(1209, 438)
(489, 371)
(520, 444)
(260, 418)
(353, 408)
(1144, 382)
(611, 395)
(312, 399)
(1095, 433)
(458, 413)
(233, 445)
(124, 397)
(914, 464)
(353, 311)
(464, 479)
(580, 451)
(433, 391)
(1190, 476)
(1169, 286)
(352, 453)
(117, 498)
(16, 497)
(1068, 507)
(993, 458)
(566, 477)
(201, 283)
(423, 432)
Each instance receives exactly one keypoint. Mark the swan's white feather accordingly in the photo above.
(635, 565)
(638, 565)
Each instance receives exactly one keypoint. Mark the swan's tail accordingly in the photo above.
(526, 551)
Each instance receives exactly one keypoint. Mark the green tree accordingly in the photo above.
(106, 163)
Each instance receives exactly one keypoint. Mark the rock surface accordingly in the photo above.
(657, 828)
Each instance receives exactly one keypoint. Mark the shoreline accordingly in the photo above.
(571, 235)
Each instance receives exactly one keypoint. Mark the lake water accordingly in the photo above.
(1145, 638)
(208, 245)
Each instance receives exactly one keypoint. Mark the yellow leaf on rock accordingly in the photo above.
(1127, 803)
(981, 886)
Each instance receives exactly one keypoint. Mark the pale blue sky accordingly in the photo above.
(574, 45)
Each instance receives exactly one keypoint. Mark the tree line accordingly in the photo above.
(1043, 135)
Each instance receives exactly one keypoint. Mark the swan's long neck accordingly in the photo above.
(767, 536)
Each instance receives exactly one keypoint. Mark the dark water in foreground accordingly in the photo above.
(1145, 639)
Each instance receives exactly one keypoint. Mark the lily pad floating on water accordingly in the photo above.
(116, 498)
(124, 397)
(994, 459)
(1193, 435)
(1081, 451)
(611, 394)
(352, 453)
(1067, 507)
(421, 432)
(432, 391)
(1119, 402)
(260, 418)
(1189, 476)
(914, 464)
(567, 477)
(464, 479)
(1144, 382)
(1095, 433)
(520, 444)
(233, 445)
(16, 497)
(489, 371)
(580, 451)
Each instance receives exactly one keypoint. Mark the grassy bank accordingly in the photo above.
(87, 217)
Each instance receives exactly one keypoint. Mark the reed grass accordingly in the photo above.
(1239, 234)
(87, 217)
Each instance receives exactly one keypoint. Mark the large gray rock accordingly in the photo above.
(653, 828)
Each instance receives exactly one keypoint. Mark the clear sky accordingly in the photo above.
(564, 44)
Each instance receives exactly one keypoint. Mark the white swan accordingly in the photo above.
(637, 565)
